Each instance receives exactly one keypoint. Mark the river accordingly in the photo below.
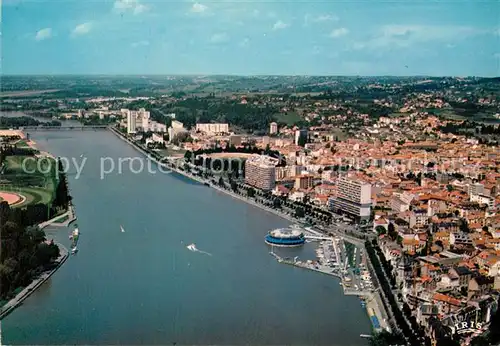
(143, 286)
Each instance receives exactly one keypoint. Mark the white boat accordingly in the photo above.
(191, 247)
(121, 228)
(74, 250)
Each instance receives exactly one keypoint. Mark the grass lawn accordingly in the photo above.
(290, 118)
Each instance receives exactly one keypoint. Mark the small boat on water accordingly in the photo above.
(74, 250)
(122, 229)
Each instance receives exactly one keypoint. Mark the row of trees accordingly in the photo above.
(15, 122)
(388, 293)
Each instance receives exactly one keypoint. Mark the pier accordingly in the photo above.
(333, 260)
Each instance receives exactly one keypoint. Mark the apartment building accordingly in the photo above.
(131, 124)
(305, 181)
(400, 202)
(213, 128)
(353, 198)
(260, 172)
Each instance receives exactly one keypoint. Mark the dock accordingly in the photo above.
(332, 259)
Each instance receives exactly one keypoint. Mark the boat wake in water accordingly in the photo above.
(192, 247)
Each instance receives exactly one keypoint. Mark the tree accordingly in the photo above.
(251, 192)
(234, 186)
(299, 212)
(380, 230)
(392, 231)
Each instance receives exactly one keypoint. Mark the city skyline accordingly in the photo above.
(135, 37)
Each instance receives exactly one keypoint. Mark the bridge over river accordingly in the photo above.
(64, 128)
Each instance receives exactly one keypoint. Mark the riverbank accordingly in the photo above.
(27, 291)
(230, 193)
(68, 216)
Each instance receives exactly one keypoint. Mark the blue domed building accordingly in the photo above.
(285, 237)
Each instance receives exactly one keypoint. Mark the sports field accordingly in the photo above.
(33, 178)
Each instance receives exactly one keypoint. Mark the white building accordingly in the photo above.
(353, 198)
(260, 172)
(475, 189)
(157, 138)
(400, 202)
(131, 117)
(213, 128)
(176, 128)
(273, 128)
(483, 199)
(144, 115)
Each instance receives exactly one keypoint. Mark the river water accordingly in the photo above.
(143, 286)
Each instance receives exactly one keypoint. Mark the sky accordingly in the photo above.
(335, 37)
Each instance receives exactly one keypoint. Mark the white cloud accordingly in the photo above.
(280, 25)
(219, 38)
(43, 34)
(139, 44)
(339, 32)
(407, 35)
(326, 18)
(199, 8)
(133, 6)
(82, 29)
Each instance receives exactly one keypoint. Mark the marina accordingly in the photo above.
(344, 261)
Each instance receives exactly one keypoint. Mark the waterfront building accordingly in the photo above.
(157, 138)
(353, 198)
(144, 116)
(213, 128)
(285, 237)
(305, 181)
(131, 125)
(260, 172)
(273, 128)
(176, 128)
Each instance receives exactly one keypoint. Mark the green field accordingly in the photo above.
(32, 177)
(33, 195)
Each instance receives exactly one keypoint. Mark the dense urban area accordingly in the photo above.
(408, 167)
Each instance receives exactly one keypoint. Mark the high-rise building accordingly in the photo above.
(131, 121)
(305, 181)
(353, 198)
(144, 115)
(260, 172)
(300, 137)
(273, 128)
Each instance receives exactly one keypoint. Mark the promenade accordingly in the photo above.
(25, 293)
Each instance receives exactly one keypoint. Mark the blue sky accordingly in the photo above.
(359, 37)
